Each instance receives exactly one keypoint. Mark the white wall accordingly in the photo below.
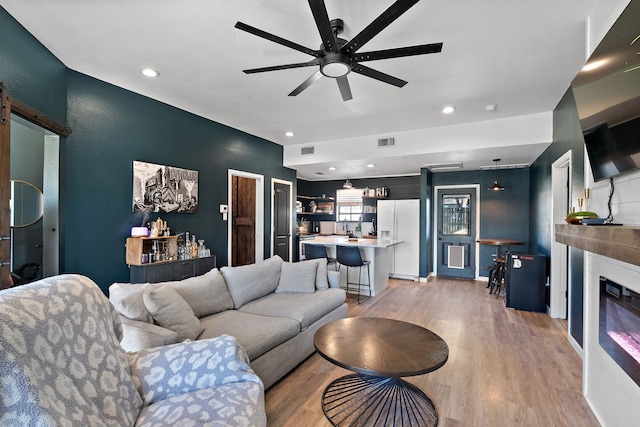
(611, 393)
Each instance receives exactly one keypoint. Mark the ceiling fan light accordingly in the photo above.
(334, 65)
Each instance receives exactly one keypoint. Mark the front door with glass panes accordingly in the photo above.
(456, 233)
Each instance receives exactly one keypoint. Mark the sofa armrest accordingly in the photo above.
(138, 335)
(334, 278)
(164, 372)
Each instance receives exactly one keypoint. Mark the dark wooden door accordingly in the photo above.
(282, 220)
(243, 211)
(457, 233)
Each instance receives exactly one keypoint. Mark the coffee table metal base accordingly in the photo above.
(362, 400)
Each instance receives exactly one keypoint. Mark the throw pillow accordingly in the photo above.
(206, 294)
(297, 277)
(249, 282)
(171, 311)
(322, 280)
(127, 299)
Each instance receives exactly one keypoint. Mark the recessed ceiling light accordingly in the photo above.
(332, 168)
(289, 133)
(149, 72)
(448, 109)
(371, 165)
(490, 107)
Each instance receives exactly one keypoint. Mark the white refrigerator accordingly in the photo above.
(400, 220)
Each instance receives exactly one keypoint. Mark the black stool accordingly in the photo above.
(496, 275)
(350, 257)
(318, 252)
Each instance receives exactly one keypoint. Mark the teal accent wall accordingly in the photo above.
(426, 222)
(32, 74)
(503, 214)
(112, 127)
(567, 136)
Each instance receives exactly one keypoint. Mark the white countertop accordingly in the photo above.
(345, 241)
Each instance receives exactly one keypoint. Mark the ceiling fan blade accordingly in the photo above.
(345, 90)
(276, 39)
(380, 23)
(319, 11)
(305, 84)
(282, 67)
(378, 75)
(398, 52)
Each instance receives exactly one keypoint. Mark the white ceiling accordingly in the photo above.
(519, 55)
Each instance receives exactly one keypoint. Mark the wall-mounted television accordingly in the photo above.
(613, 150)
(607, 94)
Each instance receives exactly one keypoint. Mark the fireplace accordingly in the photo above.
(619, 332)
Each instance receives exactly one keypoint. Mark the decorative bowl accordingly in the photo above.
(577, 217)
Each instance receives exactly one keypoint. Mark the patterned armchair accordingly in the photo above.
(61, 364)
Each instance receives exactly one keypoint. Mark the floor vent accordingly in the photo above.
(386, 142)
(456, 256)
(307, 150)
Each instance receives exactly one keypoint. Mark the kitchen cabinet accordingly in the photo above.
(139, 246)
(171, 270)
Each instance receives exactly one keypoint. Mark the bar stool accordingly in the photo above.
(497, 275)
(350, 257)
(318, 252)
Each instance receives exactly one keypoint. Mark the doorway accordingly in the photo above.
(30, 159)
(246, 218)
(560, 202)
(281, 208)
(456, 221)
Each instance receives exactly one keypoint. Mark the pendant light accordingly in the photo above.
(347, 184)
(496, 186)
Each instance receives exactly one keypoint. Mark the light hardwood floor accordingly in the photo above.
(505, 368)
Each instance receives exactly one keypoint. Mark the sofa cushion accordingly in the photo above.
(322, 281)
(297, 277)
(256, 334)
(163, 372)
(206, 294)
(127, 299)
(249, 282)
(303, 308)
(238, 404)
(171, 311)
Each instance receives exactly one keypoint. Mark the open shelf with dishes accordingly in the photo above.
(310, 205)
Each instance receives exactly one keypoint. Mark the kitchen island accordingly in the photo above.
(373, 250)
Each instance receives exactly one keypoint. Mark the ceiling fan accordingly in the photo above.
(338, 57)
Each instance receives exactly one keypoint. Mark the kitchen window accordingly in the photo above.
(349, 204)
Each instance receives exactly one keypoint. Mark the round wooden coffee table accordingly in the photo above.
(380, 352)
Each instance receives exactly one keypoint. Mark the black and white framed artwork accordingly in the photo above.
(159, 188)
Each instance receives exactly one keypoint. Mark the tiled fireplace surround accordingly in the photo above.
(611, 393)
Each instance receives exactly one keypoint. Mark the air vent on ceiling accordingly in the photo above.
(443, 166)
(511, 166)
(386, 142)
(307, 150)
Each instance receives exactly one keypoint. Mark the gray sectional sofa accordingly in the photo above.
(273, 308)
